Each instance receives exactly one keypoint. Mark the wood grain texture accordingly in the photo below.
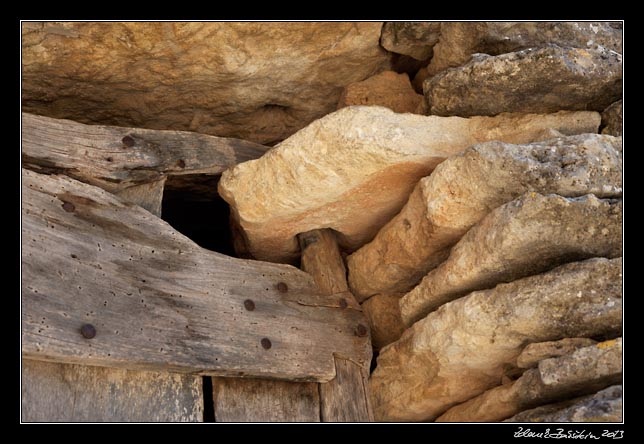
(160, 302)
(321, 258)
(146, 195)
(259, 400)
(345, 398)
(115, 158)
(55, 392)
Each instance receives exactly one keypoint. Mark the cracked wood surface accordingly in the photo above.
(117, 158)
(345, 398)
(263, 400)
(160, 302)
(53, 392)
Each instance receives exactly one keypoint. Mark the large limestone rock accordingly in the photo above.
(459, 40)
(532, 80)
(256, 81)
(603, 406)
(579, 373)
(354, 169)
(612, 119)
(526, 236)
(538, 351)
(460, 350)
(415, 39)
(388, 89)
(465, 188)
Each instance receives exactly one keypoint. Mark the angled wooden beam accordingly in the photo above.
(345, 398)
(130, 162)
(115, 158)
(157, 301)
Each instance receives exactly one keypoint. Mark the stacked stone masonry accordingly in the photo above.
(471, 174)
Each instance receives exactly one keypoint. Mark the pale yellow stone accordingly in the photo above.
(354, 169)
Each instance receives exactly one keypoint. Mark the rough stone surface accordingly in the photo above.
(415, 39)
(603, 406)
(460, 350)
(612, 119)
(465, 188)
(459, 40)
(354, 169)
(533, 353)
(255, 81)
(419, 79)
(388, 89)
(383, 313)
(528, 235)
(581, 372)
(532, 80)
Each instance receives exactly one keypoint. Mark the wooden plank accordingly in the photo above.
(160, 302)
(115, 158)
(55, 392)
(321, 258)
(257, 400)
(345, 398)
(147, 195)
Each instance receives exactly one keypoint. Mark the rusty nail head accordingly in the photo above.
(181, 163)
(88, 331)
(128, 141)
(343, 303)
(266, 343)
(361, 330)
(282, 287)
(249, 305)
(68, 206)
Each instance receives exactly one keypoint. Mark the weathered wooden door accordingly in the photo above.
(122, 315)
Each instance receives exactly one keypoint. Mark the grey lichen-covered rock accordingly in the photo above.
(465, 188)
(538, 351)
(612, 119)
(255, 81)
(584, 371)
(459, 40)
(354, 169)
(383, 314)
(460, 350)
(415, 39)
(388, 89)
(532, 80)
(603, 406)
(528, 235)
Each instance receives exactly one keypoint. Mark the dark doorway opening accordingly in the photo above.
(193, 207)
(208, 400)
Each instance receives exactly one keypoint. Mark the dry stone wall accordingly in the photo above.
(470, 172)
